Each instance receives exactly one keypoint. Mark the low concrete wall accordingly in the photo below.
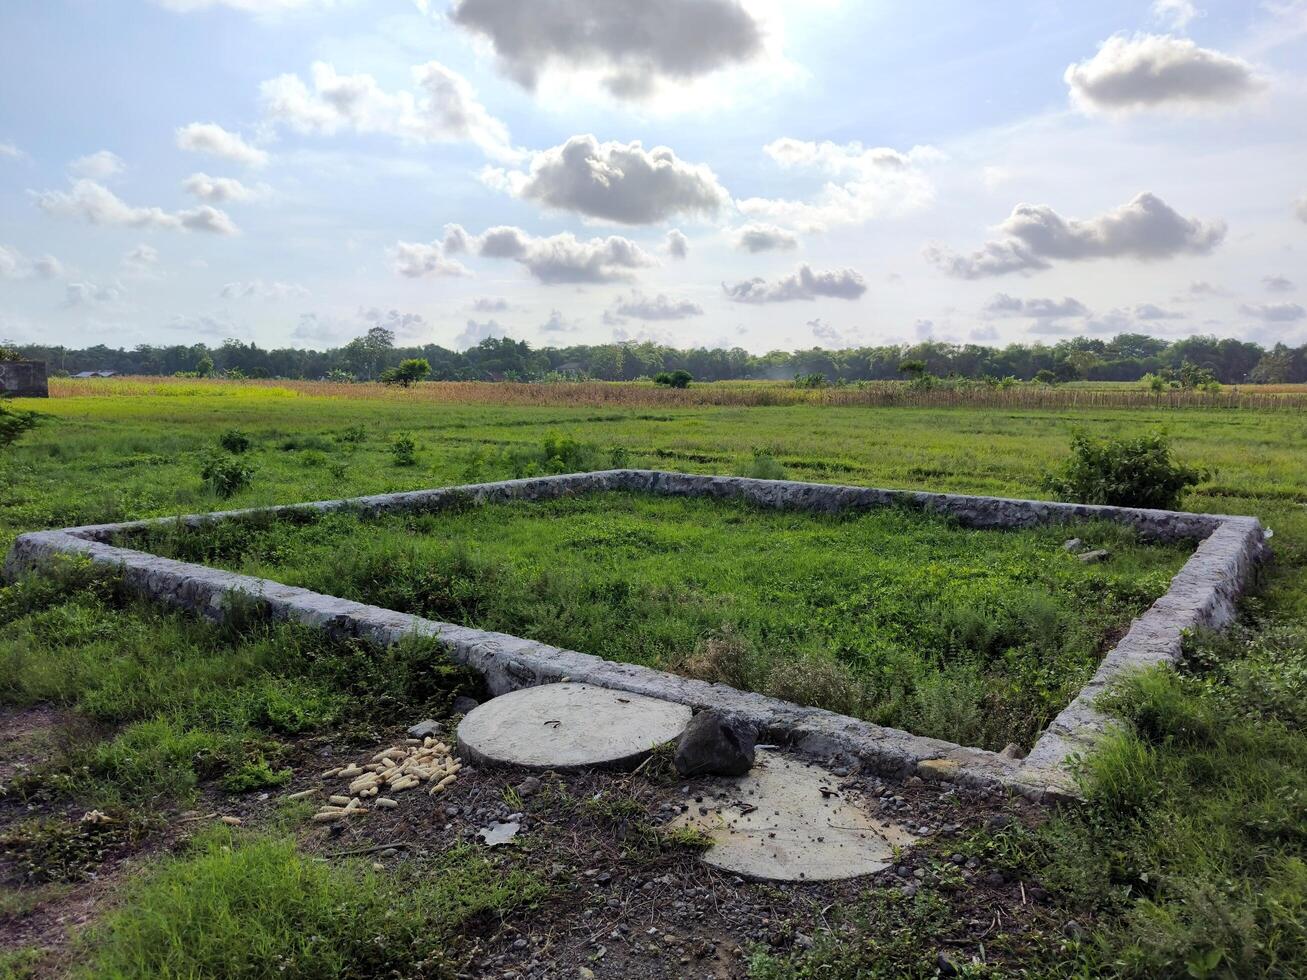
(1202, 594)
(24, 379)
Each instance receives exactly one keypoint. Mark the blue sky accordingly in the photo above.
(699, 172)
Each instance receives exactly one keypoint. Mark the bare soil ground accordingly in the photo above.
(624, 900)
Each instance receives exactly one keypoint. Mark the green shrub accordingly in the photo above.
(404, 450)
(235, 441)
(1122, 473)
(14, 424)
(764, 466)
(226, 475)
(813, 380)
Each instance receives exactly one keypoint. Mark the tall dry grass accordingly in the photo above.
(742, 393)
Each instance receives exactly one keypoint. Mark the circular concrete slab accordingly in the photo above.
(569, 726)
(788, 821)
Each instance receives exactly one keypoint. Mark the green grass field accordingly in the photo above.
(1187, 858)
(905, 619)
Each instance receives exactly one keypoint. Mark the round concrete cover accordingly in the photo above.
(568, 726)
(788, 821)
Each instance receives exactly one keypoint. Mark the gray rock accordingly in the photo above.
(714, 744)
(528, 787)
(1094, 557)
(1072, 544)
(1013, 751)
(463, 705)
(423, 729)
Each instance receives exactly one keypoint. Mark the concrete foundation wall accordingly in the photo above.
(1202, 594)
(24, 379)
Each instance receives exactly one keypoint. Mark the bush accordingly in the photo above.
(404, 450)
(13, 424)
(226, 475)
(814, 380)
(673, 379)
(235, 441)
(1122, 473)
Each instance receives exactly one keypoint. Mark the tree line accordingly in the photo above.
(1125, 357)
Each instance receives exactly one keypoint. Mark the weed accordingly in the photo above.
(235, 441)
(764, 466)
(404, 450)
(226, 475)
(256, 773)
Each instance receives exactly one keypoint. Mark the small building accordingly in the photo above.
(24, 379)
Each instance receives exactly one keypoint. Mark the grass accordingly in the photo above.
(183, 700)
(1186, 861)
(903, 618)
(238, 905)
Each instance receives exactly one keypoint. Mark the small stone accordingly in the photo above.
(714, 744)
(1013, 751)
(995, 878)
(802, 941)
(422, 729)
(909, 890)
(958, 859)
(1094, 557)
(1073, 930)
(915, 781)
(946, 967)
(462, 705)
(528, 787)
(1072, 544)
(997, 821)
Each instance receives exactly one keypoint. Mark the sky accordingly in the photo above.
(738, 173)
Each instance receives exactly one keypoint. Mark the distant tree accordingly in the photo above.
(204, 367)
(407, 372)
(1045, 377)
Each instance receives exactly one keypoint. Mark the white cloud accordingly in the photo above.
(1146, 228)
(212, 139)
(416, 260)
(1174, 14)
(803, 284)
(220, 189)
(269, 292)
(1274, 312)
(97, 205)
(1278, 284)
(1151, 311)
(618, 182)
(141, 261)
(15, 265)
(660, 307)
(556, 323)
(99, 166)
(217, 325)
(678, 246)
(1150, 71)
(764, 238)
(875, 182)
(475, 332)
(634, 45)
(490, 304)
(557, 259)
(9, 150)
(443, 109)
(1003, 305)
(93, 294)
